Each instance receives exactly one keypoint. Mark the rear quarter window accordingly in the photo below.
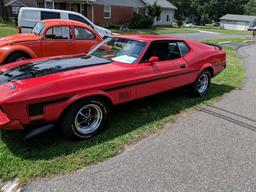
(49, 15)
(78, 18)
(184, 49)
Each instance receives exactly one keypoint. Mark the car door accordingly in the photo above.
(84, 40)
(166, 73)
(58, 41)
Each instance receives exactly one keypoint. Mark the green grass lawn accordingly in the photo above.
(52, 154)
(7, 29)
(222, 31)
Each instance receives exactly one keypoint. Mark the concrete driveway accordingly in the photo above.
(211, 149)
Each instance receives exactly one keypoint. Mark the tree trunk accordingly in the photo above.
(2, 10)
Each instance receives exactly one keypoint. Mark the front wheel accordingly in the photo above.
(202, 84)
(84, 119)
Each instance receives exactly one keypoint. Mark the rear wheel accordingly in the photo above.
(84, 119)
(17, 57)
(201, 85)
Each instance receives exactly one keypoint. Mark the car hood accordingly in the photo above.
(18, 38)
(40, 68)
(8, 89)
(103, 31)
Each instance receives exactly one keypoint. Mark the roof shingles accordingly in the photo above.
(162, 3)
(27, 3)
(232, 17)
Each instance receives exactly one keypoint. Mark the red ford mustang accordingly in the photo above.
(78, 91)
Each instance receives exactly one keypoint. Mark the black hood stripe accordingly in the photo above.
(47, 67)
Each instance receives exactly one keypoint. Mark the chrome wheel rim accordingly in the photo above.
(21, 58)
(88, 119)
(202, 83)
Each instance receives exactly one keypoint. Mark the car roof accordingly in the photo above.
(146, 38)
(50, 10)
(59, 22)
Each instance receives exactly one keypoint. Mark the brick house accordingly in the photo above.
(112, 12)
(12, 7)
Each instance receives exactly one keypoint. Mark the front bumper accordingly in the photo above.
(6, 123)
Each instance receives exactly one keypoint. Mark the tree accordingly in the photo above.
(212, 9)
(250, 7)
(2, 10)
(154, 10)
(183, 8)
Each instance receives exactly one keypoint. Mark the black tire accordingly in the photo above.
(17, 57)
(69, 121)
(195, 86)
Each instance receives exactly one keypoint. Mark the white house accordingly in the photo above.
(167, 14)
(237, 22)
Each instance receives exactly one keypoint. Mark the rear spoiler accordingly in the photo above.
(214, 45)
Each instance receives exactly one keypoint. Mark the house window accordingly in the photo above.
(158, 18)
(82, 9)
(168, 18)
(107, 11)
(49, 4)
(40, 4)
(15, 10)
(136, 10)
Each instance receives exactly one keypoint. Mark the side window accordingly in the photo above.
(164, 50)
(83, 34)
(174, 51)
(58, 33)
(49, 15)
(78, 18)
(183, 48)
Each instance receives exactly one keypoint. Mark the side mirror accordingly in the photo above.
(153, 60)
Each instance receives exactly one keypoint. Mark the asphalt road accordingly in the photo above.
(211, 149)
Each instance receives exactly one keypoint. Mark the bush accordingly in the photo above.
(179, 23)
(141, 21)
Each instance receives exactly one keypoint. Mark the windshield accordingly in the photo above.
(38, 28)
(118, 49)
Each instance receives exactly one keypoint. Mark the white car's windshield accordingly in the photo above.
(119, 49)
(38, 28)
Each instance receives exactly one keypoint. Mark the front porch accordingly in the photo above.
(84, 7)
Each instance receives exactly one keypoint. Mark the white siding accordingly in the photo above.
(163, 18)
(234, 25)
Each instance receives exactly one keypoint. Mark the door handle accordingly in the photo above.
(183, 66)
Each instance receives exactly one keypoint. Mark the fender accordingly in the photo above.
(207, 65)
(52, 112)
(8, 50)
(89, 94)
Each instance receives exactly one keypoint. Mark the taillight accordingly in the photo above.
(19, 29)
